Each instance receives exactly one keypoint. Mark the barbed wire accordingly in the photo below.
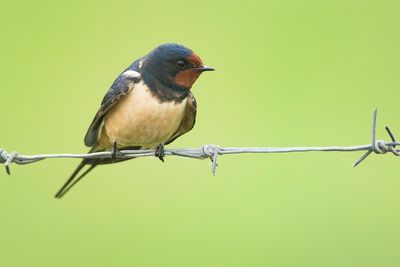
(213, 151)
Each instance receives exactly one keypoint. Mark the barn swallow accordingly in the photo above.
(148, 106)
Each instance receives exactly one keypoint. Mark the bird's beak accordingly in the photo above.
(205, 68)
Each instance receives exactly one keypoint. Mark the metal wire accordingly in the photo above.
(213, 151)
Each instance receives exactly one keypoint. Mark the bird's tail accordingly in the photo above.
(74, 178)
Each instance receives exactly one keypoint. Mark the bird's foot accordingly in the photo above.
(115, 153)
(160, 152)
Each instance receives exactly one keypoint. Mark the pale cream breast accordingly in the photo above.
(140, 119)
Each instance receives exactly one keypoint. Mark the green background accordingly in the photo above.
(288, 73)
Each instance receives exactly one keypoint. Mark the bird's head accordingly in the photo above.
(174, 65)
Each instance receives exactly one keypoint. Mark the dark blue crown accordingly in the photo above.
(170, 50)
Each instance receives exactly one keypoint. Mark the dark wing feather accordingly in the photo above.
(188, 121)
(121, 86)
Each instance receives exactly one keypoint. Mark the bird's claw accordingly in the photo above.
(115, 153)
(160, 152)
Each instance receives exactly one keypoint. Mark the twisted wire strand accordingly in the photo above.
(212, 151)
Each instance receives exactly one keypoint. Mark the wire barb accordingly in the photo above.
(392, 148)
(9, 160)
(213, 151)
(3, 155)
(379, 146)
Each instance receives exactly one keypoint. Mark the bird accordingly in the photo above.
(149, 105)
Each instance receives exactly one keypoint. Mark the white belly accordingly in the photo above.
(140, 119)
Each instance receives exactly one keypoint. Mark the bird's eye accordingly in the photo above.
(181, 64)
